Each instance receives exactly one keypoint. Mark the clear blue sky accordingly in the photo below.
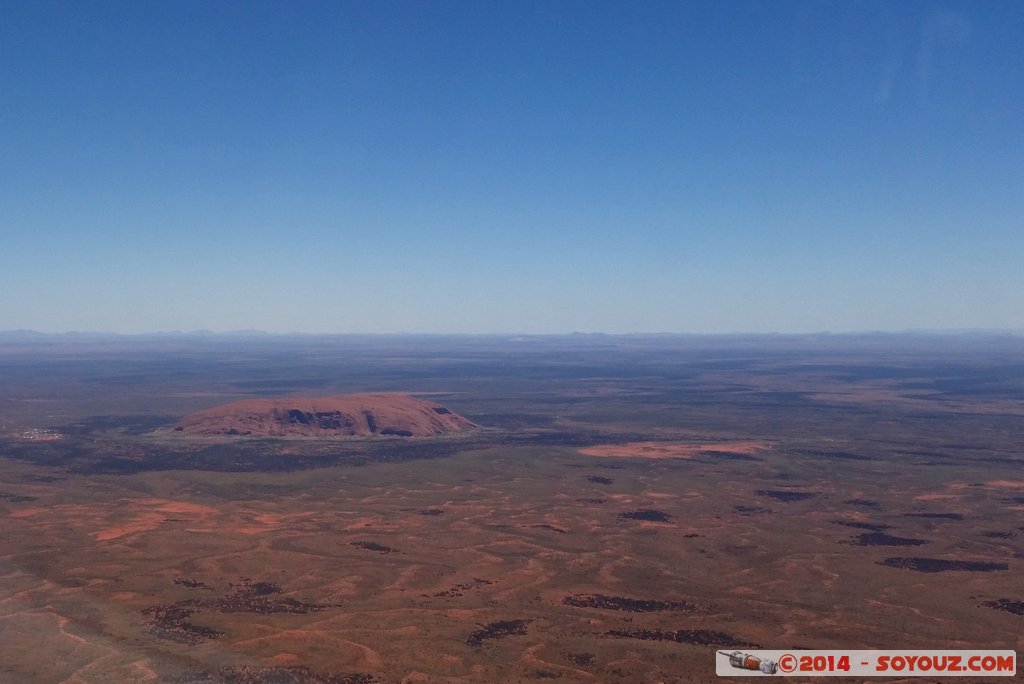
(500, 166)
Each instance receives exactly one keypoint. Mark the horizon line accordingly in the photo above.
(202, 332)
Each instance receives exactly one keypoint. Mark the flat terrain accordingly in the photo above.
(629, 506)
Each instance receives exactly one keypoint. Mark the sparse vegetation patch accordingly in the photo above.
(859, 525)
(943, 565)
(785, 496)
(1009, 605)
(646, 514)
(627, 604)
(170, 621)
(498, 630)
(245, 674)
(883, 539)
(700, 637)
(373, 546)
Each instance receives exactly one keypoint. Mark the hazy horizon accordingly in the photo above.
(200, 332)
(522, 168)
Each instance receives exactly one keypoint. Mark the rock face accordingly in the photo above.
(347, 415)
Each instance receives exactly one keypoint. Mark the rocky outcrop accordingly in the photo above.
(348, 415)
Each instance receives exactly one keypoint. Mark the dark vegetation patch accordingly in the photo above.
(857, 525)
(190, 583)
(866, 503)
(109, 458)
(373, 546)
(883, 539)
(600, 480)
(785, 496)
(171, 621)
(569, 438)
(44, 479)
(784, 397)
(581, 659)
(623, 603)
(729, 455)
(997, 459)
(834, 455)
(498, 630)
(513, 421)
(692, 535)
(998, 535)
(456, 591)
(299, 674)
(936, 516)
(16, 498)
(846, 456)
(648, 514)
(591, 501)
(267, 386)
(943, 565)
(545, 526)
(750, 510)
(920, 452)
(1013, 500)
(1009, 605)
(699, 637)
(97, 446)
(432, 511)
(545, 674)
(126, 425)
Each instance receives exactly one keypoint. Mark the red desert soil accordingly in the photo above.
(346, 415)
(673, 449)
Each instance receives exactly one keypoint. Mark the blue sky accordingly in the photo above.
(496, 166)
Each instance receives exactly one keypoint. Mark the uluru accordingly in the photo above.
(346, 415)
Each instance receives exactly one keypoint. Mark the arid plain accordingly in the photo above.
(627, 506)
